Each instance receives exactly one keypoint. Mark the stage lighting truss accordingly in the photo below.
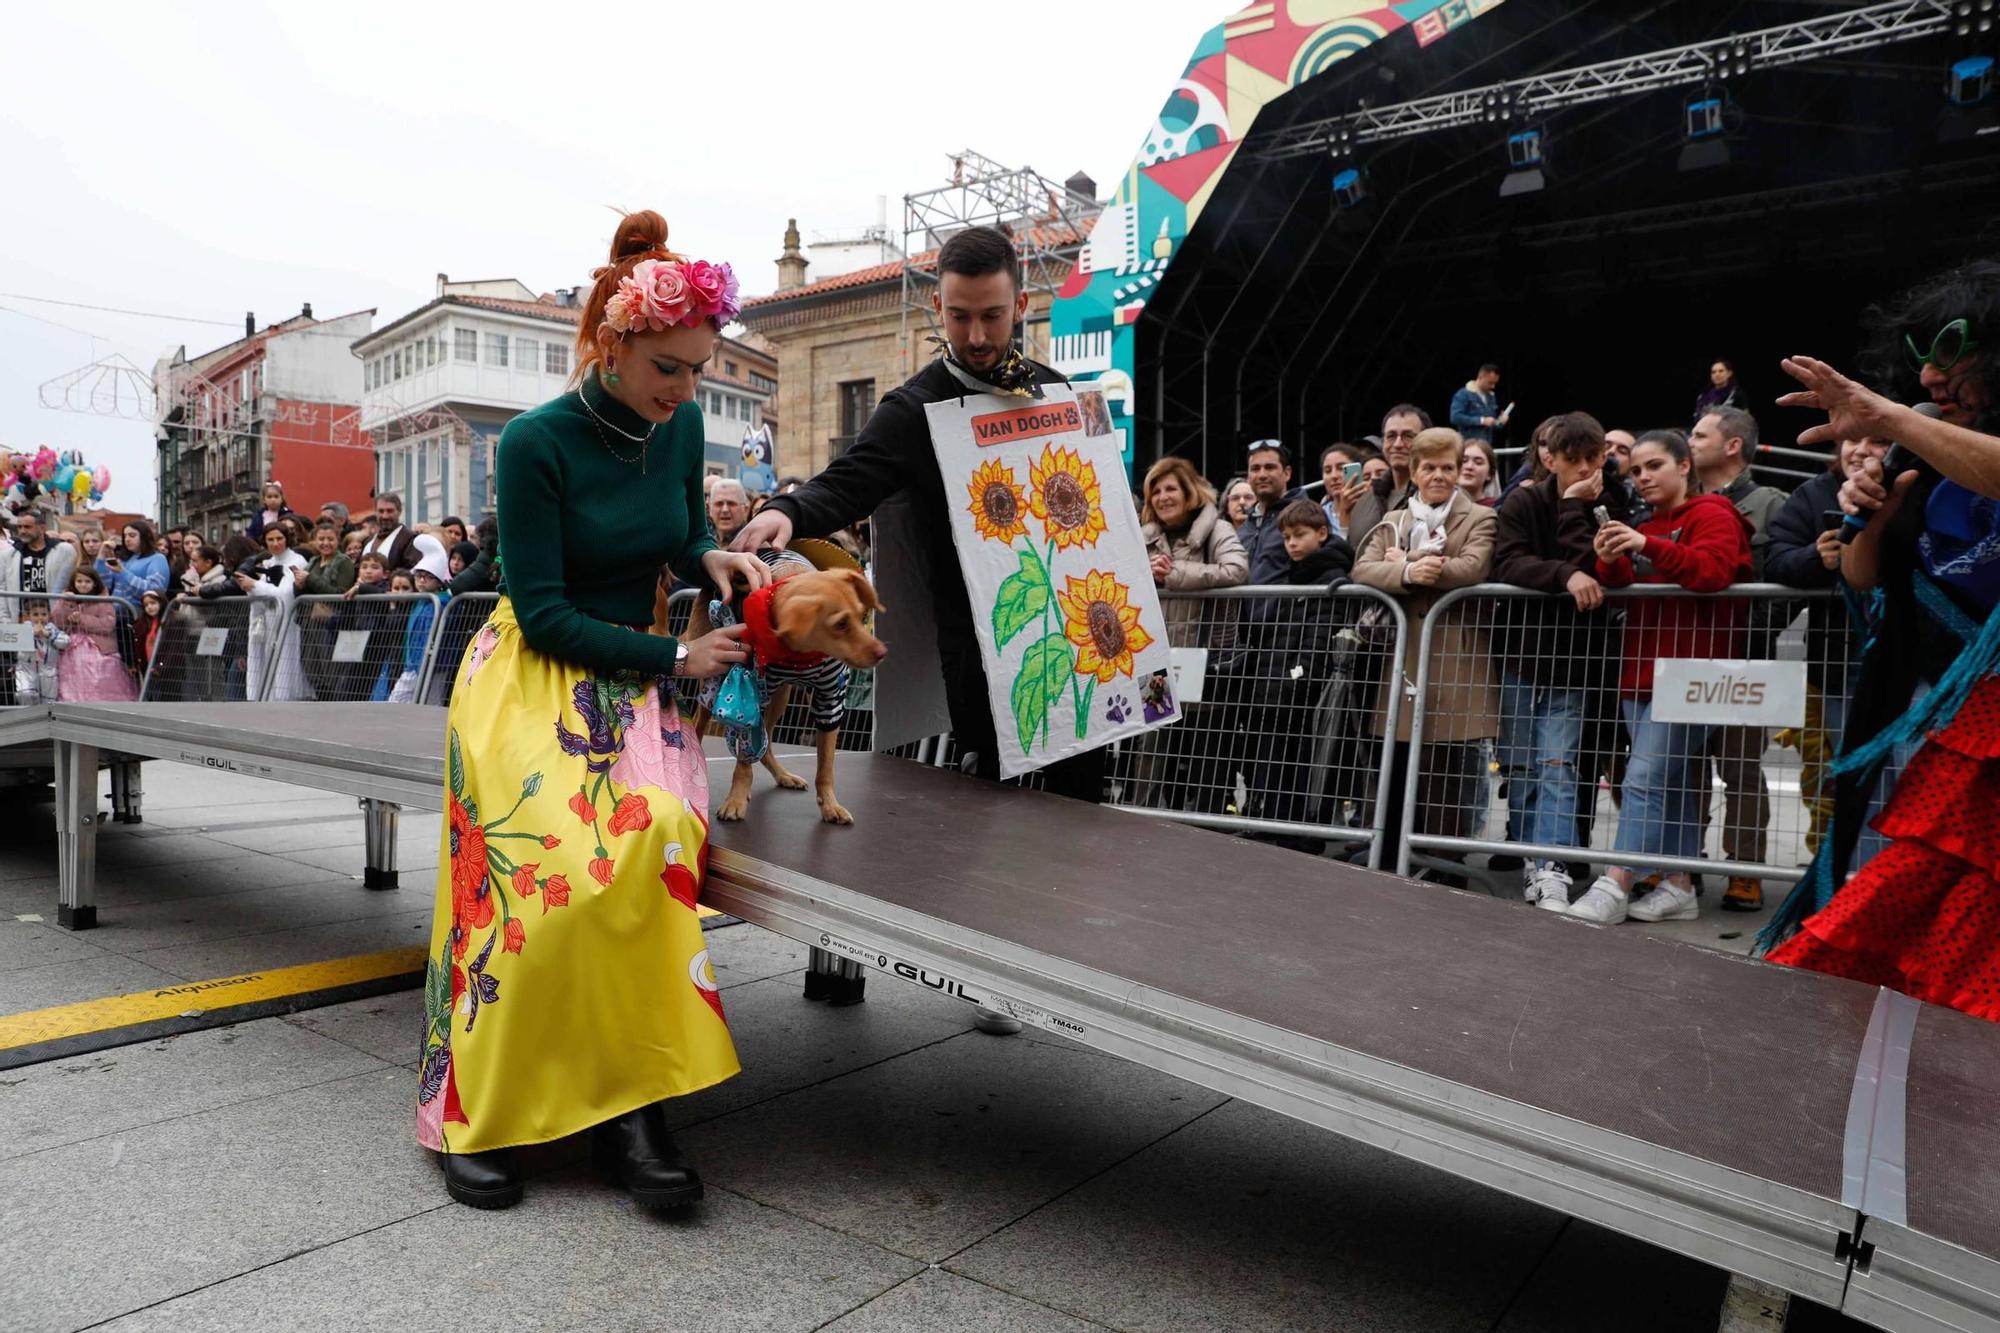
(1971, 16)
(1702, 63)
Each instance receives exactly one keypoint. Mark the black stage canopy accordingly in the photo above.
(1610, 290)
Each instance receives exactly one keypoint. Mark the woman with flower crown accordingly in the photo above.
(568, 986)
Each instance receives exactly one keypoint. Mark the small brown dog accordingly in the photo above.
(801, 630)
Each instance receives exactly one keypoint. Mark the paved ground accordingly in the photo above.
(876, 1168)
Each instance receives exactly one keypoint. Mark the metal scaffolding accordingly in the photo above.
(1702, 63)
(1047, 223)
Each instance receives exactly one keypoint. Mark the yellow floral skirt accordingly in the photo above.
(568, 981)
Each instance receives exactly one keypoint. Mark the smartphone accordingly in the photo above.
(1601, 514)
(1830, 520)
(1350, 472)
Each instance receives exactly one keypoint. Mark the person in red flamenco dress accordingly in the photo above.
(1923, 915)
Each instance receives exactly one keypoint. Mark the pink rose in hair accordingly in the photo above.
(669, 298)
(618, 310)
(708, 282)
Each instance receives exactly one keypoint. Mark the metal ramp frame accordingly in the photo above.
(1596, 1071)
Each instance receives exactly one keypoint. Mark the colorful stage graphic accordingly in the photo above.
(1239, 66)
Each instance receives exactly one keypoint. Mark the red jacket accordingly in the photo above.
(1704, 546)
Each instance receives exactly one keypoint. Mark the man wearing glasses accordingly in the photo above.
(1400, 425)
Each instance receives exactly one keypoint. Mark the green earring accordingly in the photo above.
(610, 377)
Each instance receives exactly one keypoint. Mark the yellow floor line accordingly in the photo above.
(121, 1011)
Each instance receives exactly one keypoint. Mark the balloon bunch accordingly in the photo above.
(46, 471)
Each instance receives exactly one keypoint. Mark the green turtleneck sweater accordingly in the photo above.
(583, 533)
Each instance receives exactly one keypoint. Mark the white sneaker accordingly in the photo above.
(1667, 902)
(1603, 902)
(1549, 884)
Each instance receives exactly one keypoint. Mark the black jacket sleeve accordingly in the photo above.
(874, 467)
(1791, 556)
(1515, 557)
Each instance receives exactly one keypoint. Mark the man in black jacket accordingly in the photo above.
(1804, 552)
(1550, 653)
(980, 301)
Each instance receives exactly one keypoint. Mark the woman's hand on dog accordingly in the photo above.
(725, 567)
(714, 653)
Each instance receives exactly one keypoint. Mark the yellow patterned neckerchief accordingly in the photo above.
(1013, 377)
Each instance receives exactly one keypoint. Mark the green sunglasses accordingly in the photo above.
(1953, 341)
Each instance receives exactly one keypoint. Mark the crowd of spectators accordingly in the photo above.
(1556, 694)
(1553, 694)
(102, 602)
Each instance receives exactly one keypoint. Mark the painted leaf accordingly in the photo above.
(457, 766)
(437, 986)
(489, 987)
(436, 1065)
(479, 963)
(1044, 670)
(572, 744)
(1023, 595)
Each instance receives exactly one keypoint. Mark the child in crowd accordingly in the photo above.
(93, 667)
(430, 576)
(401, 583)
(1291, 641)
(146, 629)
(35, 671)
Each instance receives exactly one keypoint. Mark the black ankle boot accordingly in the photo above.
(483, 1179)
(636, 1151)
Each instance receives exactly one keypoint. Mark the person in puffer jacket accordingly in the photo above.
(1701, 544)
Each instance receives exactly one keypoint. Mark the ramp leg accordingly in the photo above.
(76, 835)
(135, 792)
(838, 981)
(1749, 1306)
(379, 820)
(118, 797)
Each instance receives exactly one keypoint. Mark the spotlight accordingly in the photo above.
(1970, 81)
(1968, 17)
(1525, 155)
(1348, 188)
(1705, 146)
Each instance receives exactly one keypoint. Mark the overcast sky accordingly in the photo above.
(234, 157)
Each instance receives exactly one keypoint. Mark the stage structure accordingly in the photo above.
(1312, 230)
(1045, 218)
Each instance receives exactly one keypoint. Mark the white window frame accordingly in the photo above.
(465, 346)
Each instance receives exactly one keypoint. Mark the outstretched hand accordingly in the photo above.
(772, 528)
(725, 567)
(1854, 411)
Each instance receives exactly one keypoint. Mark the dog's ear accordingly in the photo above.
(794, 615)
(863, 589)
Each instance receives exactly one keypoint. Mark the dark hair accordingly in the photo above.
(1676, 445)
(1303, 514)
(1353, 452)
(1725, 363)
(239, 548)
(466, 553)
(86, 572)
(1970, 292)
(450, 519)
(148, 543)
(1409, 410)
(376, 556)
(1489, 366)
(208, 553)
(974, 253)
(35, 603)
(487, 534)
(390, 497)
(1737, 424)
(1572, 435)
(1269, 447)
(291, 542)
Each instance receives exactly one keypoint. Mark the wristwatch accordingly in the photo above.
(680, 660)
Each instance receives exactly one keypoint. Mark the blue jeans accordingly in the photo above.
(1661, 812)
(1541, 727)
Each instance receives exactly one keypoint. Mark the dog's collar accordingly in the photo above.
(763, 638)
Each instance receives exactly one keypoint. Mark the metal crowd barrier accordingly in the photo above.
(1724, 800)
(1280, 741)
(21, 681)
(203, 652)
(337, 649)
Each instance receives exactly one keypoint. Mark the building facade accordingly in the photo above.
(844, 341)
(737, 396)
(439, 383)
(279, 404)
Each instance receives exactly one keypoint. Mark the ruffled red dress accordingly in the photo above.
(1923, 916)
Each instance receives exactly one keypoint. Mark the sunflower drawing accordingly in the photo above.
(999, 505)
(1099, 618)
(1067, 498)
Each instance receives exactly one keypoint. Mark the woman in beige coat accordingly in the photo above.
(1194, 548)
(1441, 540)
